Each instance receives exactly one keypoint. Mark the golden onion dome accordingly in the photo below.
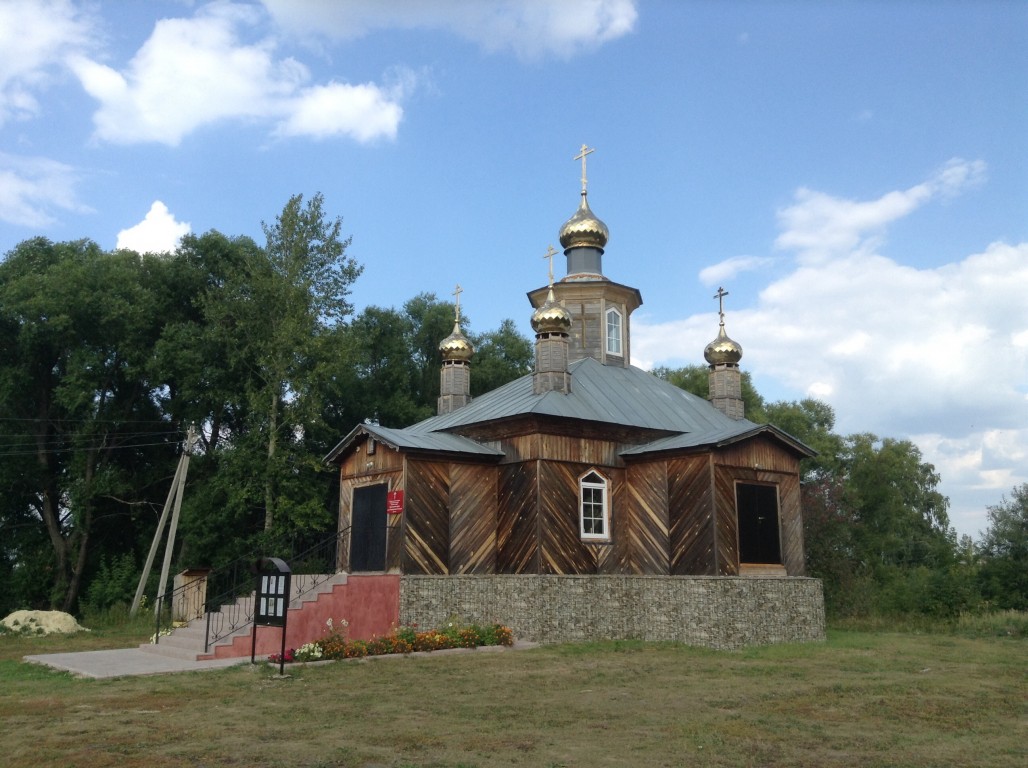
(722, 349)
(584, 230)
(456, 347)
(551, 317)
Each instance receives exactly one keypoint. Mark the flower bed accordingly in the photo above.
(334, 644)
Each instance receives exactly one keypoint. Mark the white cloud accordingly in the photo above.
(919, 350)
(939, 355)
(529, 28)
(158, 232)
(729, 268)
(194, 72)
(818, 226)
(363, 112)
(32, 187)
(35, 35)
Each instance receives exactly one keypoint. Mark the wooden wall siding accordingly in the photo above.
(395, 532)
(726, 520)
(580, 450)
(540, 426)
(517, 536)
(561, 547)
(359, 462)
(791, 514)
(393, 480)
(620, 555)
(764, 460)
(690, 502)
(562, 550)
(345, 517)
(361, 468)
(426, 536)
(646, 519)
(586, 331)
(472, 519)
(759, 453)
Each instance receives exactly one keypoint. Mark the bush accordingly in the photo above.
(334, 644)
(115, 582)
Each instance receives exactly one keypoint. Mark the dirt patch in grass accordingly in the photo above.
(861, 698)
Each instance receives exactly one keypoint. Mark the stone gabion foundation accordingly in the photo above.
(715, 612)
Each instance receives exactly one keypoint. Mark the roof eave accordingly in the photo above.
(790, 442)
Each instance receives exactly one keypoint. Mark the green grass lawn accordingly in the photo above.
(863, 698)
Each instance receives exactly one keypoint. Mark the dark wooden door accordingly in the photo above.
(759, 537)
(368, 534)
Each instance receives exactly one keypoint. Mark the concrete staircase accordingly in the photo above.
(187, 642)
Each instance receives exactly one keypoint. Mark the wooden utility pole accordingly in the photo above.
(174, 500)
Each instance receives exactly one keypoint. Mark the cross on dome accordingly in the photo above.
(720, 296)
(581, 156)
(456, 294)
(550, 253)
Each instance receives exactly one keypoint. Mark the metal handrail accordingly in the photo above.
(225, 596)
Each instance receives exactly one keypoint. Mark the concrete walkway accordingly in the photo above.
(126, 661)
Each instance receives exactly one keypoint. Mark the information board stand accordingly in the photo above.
(271, 602)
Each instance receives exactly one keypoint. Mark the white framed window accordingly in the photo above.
(594, 506)
(614, 325)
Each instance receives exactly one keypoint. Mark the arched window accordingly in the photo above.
(614, 345)
(594, 506)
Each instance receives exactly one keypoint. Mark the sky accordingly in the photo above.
(854, 174)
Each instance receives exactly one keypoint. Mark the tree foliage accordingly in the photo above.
(107, 357)
(1004, 552)
(83, 430)
(500, 356)
(695, 378)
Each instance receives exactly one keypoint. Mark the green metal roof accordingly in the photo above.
(602, 394)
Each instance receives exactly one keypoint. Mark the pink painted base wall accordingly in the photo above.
(371, 605)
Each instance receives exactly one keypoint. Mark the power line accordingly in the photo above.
(165, 422)
(76, 449)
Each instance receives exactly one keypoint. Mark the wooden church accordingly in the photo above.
(588, 465)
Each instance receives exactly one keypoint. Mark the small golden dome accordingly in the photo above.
(456, 347)
(551, 317)
(584, 230)
(722, 349)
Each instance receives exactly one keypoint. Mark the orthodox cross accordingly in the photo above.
(581, 156)
(456, 293)
(550, 253)
(720, 296)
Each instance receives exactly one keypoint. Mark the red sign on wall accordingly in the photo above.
(394, 502)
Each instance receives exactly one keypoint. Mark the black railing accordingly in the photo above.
(225, 595)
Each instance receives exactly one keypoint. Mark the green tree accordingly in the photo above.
(501, 355)
(696, 379)
(428, 322)
(199, 356)
(900, 530)
(813, 423)
(1003, 552)
(382, 379)
(77, 399)
(901, 517)
(276, 308)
